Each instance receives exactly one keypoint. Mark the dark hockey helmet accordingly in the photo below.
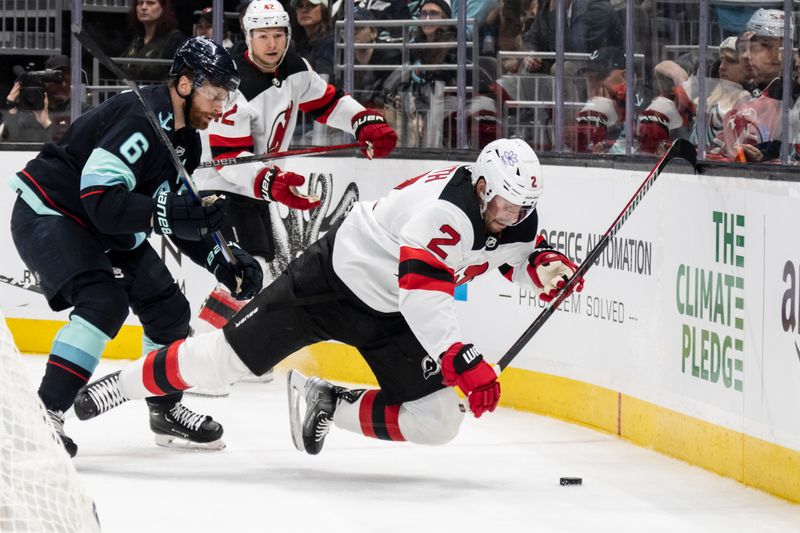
(209, 62)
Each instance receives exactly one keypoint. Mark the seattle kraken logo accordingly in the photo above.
(165, 121)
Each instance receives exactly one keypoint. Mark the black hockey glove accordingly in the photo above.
(244, 280)
(182, 217)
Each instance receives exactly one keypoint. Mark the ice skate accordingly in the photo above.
(57, 419)
(98, 397)
(320, 399)
(176, 426)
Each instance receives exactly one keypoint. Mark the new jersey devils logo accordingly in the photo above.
(278, 130)
(430, 367)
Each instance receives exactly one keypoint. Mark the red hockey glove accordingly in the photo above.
(550, 270)
(370, 126)
(275, 184)
(463, 366)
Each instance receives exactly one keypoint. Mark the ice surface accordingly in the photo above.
(500, 474)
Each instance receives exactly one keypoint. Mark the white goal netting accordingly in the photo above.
(39, 487)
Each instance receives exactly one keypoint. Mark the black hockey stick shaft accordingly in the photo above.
(91, 45)
(288, 153)
(681, 148)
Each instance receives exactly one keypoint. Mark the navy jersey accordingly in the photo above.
(106, 170)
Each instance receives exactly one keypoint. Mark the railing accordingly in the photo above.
(539, 106)
(32, 26)
(441, 98)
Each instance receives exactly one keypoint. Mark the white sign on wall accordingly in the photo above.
(694, 306)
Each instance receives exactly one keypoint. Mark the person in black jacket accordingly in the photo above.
(590, 25)
(84, 210)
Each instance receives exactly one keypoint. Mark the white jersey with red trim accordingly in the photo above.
(263, 116)
(408, 251)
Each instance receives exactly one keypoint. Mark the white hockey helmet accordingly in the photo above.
(769, 23)
(512, 171)
(266, 14)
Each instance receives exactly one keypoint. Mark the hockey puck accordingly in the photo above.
(571, 481)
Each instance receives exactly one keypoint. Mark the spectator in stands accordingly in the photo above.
(155, 36)
(315, 40)
(505, 26)
(369, 85)
(48, 123)
(752, 130)
(590, 25)
(672, 113)
(434, 10)
(204, 27)
(382, 10)
(413, 104)
(599, 123)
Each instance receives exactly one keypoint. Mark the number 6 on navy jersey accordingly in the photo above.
(134, 147)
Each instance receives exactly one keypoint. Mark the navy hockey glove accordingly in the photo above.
(463, 366)
(370, 126)
(277, 185)
(182, 217)
(550, 270)
(244, 280)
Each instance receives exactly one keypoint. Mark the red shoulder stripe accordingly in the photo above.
(230, 142)
(408, 253)
(319, 103)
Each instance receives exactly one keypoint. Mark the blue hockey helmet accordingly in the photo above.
(209, 62)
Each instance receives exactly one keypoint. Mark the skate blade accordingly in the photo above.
(295, 384)
(173, 441)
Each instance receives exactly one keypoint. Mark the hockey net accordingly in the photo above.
(39, 487)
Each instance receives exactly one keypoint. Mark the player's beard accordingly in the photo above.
(194, 117)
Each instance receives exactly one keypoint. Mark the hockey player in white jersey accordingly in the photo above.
(277, 84)
(383, 282)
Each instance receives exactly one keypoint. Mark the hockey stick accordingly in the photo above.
(681, 148)
(288, 153)
(91, 45)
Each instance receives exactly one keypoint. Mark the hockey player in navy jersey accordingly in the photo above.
(383, 282)
(277, 84)
(85, 207)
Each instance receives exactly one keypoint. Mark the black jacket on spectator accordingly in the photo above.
(318, 52)
(369, 86)
(591, 25)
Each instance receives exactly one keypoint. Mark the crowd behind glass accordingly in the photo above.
(568, 76)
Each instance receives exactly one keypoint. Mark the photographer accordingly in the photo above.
(38, 104)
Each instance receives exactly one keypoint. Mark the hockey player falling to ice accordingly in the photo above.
(381, 281)
(277, 84)
(80, 222)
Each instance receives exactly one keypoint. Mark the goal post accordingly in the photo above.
(39, 487)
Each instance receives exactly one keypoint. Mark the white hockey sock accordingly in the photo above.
(432, 419)
(206, 361)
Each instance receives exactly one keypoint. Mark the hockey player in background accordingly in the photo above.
(85, 207)
(381, 281)
(277, 84)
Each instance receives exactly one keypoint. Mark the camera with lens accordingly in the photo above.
(31, 82)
